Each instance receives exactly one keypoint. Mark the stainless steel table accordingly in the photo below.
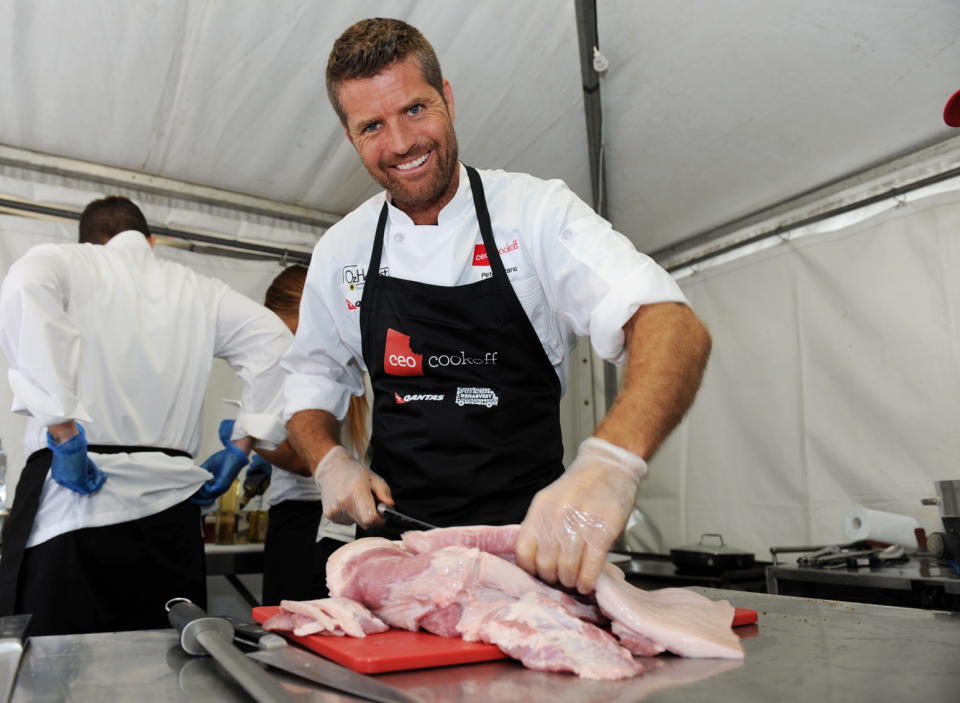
(920, 582)
(802, 650)
(228, 560)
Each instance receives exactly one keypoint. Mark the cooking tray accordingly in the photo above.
(710, 557)
(399, 650)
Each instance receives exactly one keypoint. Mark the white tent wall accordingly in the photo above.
(231, 94)
(834, 382)
(715, 110)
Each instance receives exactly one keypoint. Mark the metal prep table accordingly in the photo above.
(919, 582)
(801, 650)
(229, 560)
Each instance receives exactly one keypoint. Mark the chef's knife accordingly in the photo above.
(201, 634)
(273, 650)
(397, 518)
(13, 631)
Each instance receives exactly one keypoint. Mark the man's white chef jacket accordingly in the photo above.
(574, 275)
(123, 342)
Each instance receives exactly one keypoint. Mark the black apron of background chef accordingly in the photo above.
(99, 579)
(466, 405)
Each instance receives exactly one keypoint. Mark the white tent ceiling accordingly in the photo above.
(713, 109)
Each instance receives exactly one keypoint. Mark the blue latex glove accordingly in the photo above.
(71, 466)
(225, 465)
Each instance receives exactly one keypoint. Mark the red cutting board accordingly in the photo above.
(399, 650)
(393, 650)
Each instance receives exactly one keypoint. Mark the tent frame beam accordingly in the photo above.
(85, 170)
(261, 250)
(933, 164)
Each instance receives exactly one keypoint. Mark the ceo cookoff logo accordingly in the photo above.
(398, 357)
(400, 360)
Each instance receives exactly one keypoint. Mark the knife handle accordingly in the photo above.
(14, 627)
(191, 620)
(253, 635)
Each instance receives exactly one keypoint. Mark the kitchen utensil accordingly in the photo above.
(710, 556)
(948, 500)
(201, 634)
(836, 556)
(272, 649)
(394, 517)
(393, 650)
(13, 631)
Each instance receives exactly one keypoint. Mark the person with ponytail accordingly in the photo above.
(297, 535)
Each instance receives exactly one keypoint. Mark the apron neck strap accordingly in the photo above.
(483, 219)
(486, 229)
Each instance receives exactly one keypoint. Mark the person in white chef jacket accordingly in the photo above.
(461, 292)
(109, 351)
(299, 539)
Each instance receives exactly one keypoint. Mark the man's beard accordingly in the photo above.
(433, 188)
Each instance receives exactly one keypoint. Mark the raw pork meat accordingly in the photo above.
(676, 619)
(462, 582)
(326, 616)
(544, 637)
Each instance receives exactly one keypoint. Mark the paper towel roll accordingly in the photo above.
(876, 525)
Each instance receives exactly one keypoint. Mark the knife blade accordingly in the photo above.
(13, 631)
(397, 518)
(201, 634)
(274, 650)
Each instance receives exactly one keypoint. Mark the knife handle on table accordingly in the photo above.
(190, 620)
(252, 635)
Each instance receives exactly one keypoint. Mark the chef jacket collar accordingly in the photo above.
(461, 200)
(129, 240)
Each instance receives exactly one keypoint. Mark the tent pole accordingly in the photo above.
(605, 383)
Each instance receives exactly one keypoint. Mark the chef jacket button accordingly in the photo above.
(398, 237)
(567, 234)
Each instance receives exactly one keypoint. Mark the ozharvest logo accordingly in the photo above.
(413, 397)
(354, 276)
(399, 359)
(480, 252)
(476, 396)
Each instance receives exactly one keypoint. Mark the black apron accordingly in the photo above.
(76, 582)
(466, 404)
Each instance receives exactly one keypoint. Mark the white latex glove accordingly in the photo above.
(572, 523)
(347, 489)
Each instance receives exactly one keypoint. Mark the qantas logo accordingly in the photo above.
(355, 305)
(399, 359)
(400, 400)
(480, 252)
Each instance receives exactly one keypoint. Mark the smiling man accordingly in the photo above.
(462, 292)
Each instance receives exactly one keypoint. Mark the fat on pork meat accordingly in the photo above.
(462, 582)
(325, 616)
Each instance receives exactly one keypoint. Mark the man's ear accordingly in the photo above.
(151, 240)
(448, 96)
